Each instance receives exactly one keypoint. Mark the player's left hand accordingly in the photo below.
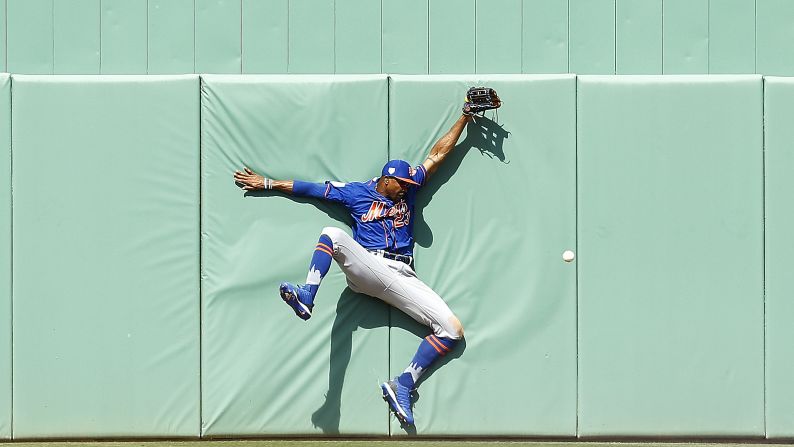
(249, 180)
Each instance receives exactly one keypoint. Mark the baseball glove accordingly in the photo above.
(480, 99)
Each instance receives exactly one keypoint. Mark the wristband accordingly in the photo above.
(268, 183)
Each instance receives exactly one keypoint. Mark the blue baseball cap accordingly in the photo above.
(399, 169)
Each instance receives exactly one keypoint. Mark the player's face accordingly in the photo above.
(395, 188)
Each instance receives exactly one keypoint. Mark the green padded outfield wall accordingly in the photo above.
(494, 222)
(670, 238)
(5, 256)
(106, 271)
(779, 239)
(264, 371)
(397, 36)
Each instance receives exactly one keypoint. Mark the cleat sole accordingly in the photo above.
(289, 297)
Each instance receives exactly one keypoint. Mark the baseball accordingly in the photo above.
(568, 256)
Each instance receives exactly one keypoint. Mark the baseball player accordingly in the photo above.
(378, 259)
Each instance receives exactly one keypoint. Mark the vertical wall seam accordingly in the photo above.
(241, 36)
(576, 234)
(201, 264)
(475, 36)
(5, 7)
(763, 240)
(615, 37)
(52, 23)
(427, 33)
(100, 37)
(334, 31)
(755, 36)
(569, 39)
(662, 36)
(388, 157)
(708, 36)
(288, 34)
(147, 36)
(194, 42)
(11, 244)
(521, 36)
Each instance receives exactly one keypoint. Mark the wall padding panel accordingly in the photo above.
(5, 257)
(30, 36)
(591, 28)
(491, 226)
(499, 36)
(686, 36)
(124, 45)
(446, 18)
(545, 36)
(670, 256)
(357, 36)
(311, 36)
(265, 35)
(264, 370)
(106, 237)
(732, 36)
(76, 33)
(171, 36)
(774, 24)
(218, 36)
(638, 37)
(779, 160)
(405, 36)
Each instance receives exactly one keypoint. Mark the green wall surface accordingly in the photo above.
(397, 36)
(5, 257)
(105, 273)
(491, 226)
(357, 38)
(673, 321)
(545, 36)
(171, 32)
(779, 219)
(265, 34)
(29, 35)
(124, 37)
(76, 37)
(264, 371)
(638, 36)
(670, 237)
(591, 32)
(686, 36)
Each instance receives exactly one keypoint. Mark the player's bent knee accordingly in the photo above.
(333, 233)
(457, 328)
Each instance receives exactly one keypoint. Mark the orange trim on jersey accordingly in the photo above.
(324, 251)
(434, 345)
(443, 346)
(320, 244)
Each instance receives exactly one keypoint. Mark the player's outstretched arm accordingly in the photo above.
(251, 181)
(445, 144)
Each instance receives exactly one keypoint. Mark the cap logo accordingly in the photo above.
(391, 170)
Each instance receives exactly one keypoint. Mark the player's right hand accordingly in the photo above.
(249, 180)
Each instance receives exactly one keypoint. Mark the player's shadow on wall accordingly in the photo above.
(332, 210)
(354, 312)
(482, 134)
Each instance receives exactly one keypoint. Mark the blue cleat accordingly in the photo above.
(399, 399)
(298, 298)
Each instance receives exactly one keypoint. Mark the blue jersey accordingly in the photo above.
(378, 222)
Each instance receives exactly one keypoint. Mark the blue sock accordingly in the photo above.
(321, 262)
(430, 350)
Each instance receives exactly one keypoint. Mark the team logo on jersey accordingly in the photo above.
(399, 212)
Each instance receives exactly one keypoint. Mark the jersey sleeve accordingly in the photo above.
(420, 175)
(337, 192)
(333, 191)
